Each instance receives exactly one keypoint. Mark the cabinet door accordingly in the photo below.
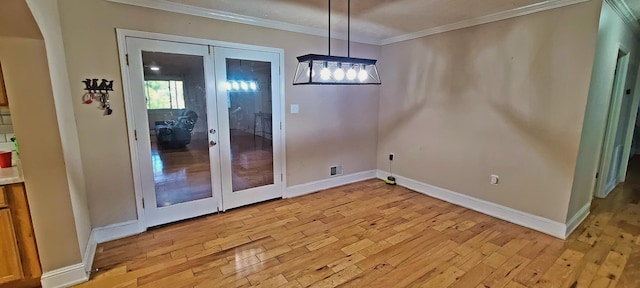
(4, 101)
(10, 267)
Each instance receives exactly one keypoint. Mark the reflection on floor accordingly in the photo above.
(183, 174)
(252, 160)
(369, 234)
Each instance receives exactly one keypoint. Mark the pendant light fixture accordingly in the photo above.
(335, 70)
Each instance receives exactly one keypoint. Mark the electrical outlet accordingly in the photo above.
(494, 179)
(391, 155)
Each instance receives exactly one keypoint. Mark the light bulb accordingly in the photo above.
(351, 74)
(154, 68)
(244, 86)
(363, 75)
(227, 85)
(235, 85)
(325, 74)
(311, 72)
(253, 86)
(338, 74)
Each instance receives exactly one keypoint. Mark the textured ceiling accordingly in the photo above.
(379, 19)
(634, 5)
(16, 20)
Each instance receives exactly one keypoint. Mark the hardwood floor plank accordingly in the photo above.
(350, 259)
(473, 277)
(503, 274)
(368, 234)
(445, 278)
(273, 282)
(560, 270)
(339, 277)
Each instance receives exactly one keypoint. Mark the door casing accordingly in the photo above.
(602, 188)
(122, 34)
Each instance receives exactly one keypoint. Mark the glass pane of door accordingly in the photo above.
(174, 87)
(250, 123)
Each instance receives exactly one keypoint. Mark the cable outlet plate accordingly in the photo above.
(335, 170)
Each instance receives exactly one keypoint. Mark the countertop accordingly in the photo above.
(12, 174)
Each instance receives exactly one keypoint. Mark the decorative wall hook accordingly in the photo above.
(99, 92)
(92, 85)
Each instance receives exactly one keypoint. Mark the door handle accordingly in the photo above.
(212, 143)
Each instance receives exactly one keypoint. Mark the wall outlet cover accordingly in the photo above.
(335, 170)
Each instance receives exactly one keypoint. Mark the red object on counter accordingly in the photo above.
(5, 159)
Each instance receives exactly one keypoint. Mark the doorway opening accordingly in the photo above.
(613, 164)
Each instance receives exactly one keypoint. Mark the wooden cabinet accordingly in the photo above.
(19, 263)
(3, 198)
(10, 266)
(4, 101)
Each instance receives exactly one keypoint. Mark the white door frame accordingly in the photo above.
(633, 114)
(611, 123)
(130, 115)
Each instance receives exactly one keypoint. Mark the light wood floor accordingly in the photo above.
(369, 234)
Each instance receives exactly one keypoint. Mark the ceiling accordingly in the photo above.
(377, 20)
(178, 65)
(16, 20)
(171, 65)
(634, 6)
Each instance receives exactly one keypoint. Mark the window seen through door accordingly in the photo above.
(164, 94)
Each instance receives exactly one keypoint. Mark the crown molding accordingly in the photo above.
(243, 19)
(621, 8)
(516, 12)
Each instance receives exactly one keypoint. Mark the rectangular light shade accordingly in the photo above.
(316, 69)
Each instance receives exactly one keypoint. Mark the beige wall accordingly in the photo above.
(336, 125)
(505, 98)
(28, 85)
(46, 15)
(612, 32)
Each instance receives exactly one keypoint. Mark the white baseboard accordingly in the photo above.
(578, 218)
(116, 231)
(307, 188)
(521, 218)
(65, 276)
(79, 273)
(90, 252)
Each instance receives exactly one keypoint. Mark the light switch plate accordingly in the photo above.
(295, 108)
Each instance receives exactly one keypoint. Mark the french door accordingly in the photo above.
(205, 127)
(248, 80)
(175, 122)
